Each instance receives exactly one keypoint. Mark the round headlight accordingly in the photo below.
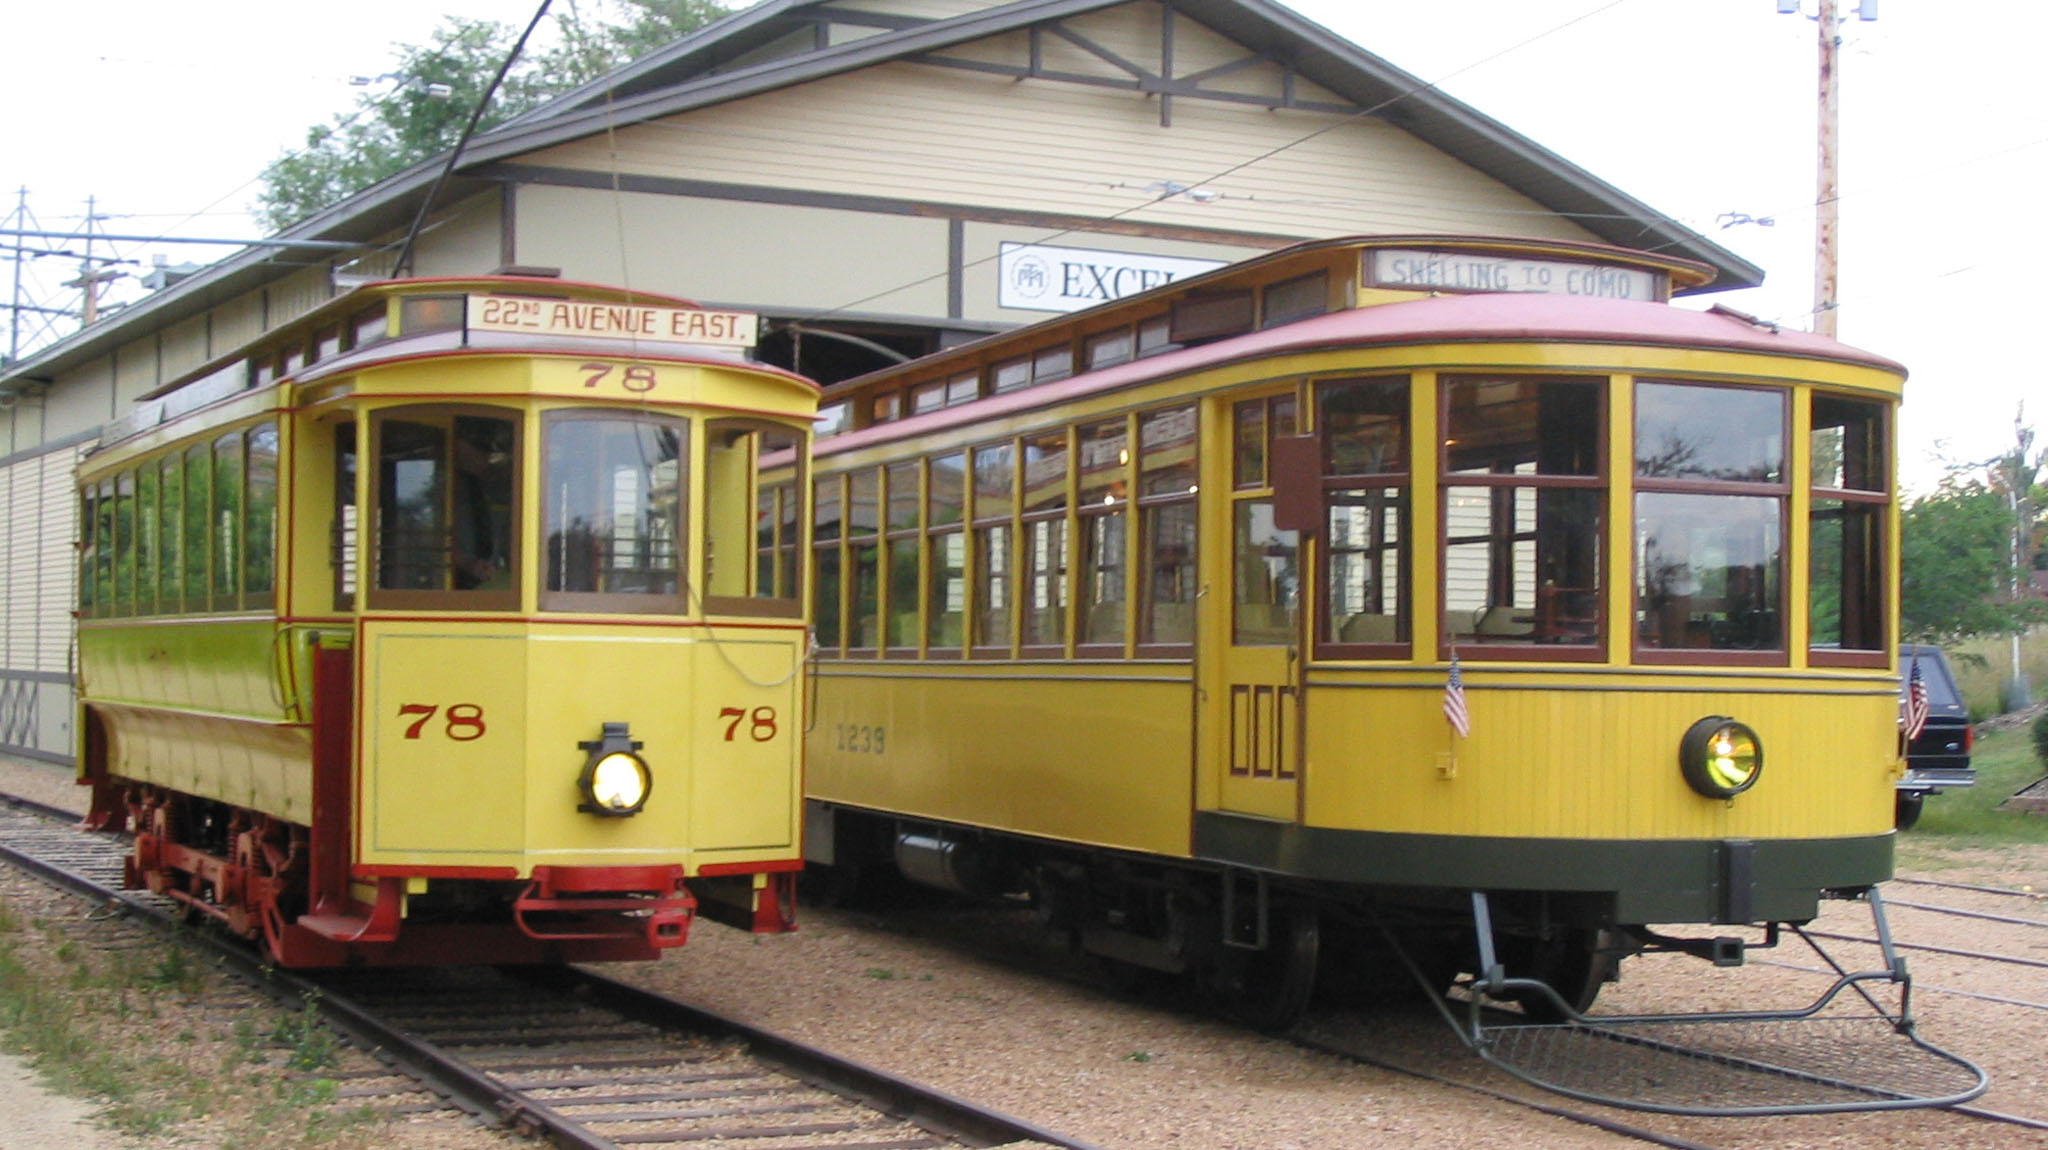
(1720, 757)
(619, 781)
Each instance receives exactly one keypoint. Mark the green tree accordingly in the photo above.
(1967, 549)
(437, 85)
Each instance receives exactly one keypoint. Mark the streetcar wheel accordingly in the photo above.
(1576, 964)
(1906, 809)
(1270, 989)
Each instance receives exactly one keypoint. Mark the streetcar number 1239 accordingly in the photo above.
(859, 739)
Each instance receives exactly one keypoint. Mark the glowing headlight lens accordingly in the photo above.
(619, 781)
(615, 781)
(1720, 757)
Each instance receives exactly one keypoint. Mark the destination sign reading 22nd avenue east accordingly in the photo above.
(529, 316)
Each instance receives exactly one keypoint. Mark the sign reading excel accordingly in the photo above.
(1039, 277)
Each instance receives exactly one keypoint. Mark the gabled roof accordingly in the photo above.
(708, 67)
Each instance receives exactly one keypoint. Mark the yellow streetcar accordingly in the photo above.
(1463, 585)
(455, 621)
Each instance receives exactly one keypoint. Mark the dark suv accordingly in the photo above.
(1940, 757)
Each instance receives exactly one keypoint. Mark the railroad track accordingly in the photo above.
(576, 1058)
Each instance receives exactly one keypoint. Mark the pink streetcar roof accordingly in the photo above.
(1467, 318)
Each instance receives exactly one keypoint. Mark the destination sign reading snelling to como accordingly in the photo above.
(625, 321)
(1471, 271)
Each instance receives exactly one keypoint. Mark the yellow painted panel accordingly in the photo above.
(441, 743)
(748, 727)
(262, 766)
(1087, 759)
(1593, 763)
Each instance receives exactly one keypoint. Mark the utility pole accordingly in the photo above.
(1828, 195)
(20, 220)
(90, 276)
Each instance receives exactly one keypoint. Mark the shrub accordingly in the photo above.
(2041, 738)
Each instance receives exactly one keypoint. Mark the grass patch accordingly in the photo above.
(1970, 817)
(108, 1014)
(1981, 665)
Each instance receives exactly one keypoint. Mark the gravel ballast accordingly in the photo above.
(923, 994)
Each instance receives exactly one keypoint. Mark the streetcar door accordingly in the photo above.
(1252, 718)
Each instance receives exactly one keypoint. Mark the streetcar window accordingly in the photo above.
(1155, 336)
(368, 325)
(752, 472)
(927, 397)
(1048, 364)
(1104, 498)
(170, 535)
(342, 537)
(614, 489)
(1257, 423)
(946, 587)
(1523, 508)
(1198, 319)
(1363, 427)
(1166, 526)
(225, 532)
(445, 526)
(882, 408)
(832, 419)
(828, 525)
(425, 313)
(148, 540)
(1845, 528)
(864, 558)
(1711, 570)
(124, 543)
(903, 547)
(1297, 299)
(198, 498)
(1266, 564)
(995, 497)
(1710, 520)
(259, 518)
(1011, 374)
(1044, 542)
(326, 343)
(1106, 349)
(1709, 433)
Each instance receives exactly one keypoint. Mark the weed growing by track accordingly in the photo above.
(171, 1047)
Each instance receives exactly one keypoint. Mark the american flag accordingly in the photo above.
(1915, 718)
(1454, 700)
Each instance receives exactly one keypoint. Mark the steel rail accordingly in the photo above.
(479, 1095)
(1958, 912)
(1987, 956)
(932, 1109)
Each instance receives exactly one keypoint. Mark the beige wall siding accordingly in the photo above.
(464, 241)
(135, 371)
(184, 348)
(80, 401)
(935, 135)
(720, 252)
(297, 294)
(236, 322)
(38, 571)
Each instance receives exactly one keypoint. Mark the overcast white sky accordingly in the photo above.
(167, 112)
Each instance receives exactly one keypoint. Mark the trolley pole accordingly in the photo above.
(1827, 196)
